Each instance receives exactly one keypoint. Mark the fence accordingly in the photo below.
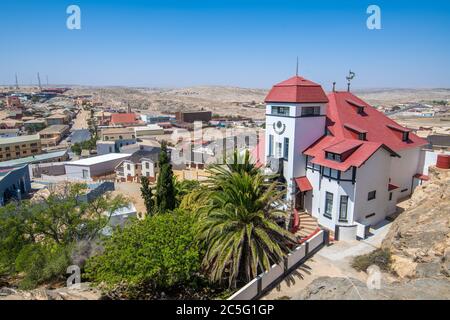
(278, 272)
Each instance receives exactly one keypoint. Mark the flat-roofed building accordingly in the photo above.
(13, 102)
(112, 139)
(190, 117)
(95, 167)
(150, 130)
(52, 135)
(113, 134)
(35, 125)
(8, 133)
(55, 119)
(19, 147)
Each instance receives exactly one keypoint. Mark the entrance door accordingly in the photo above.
(300, 201)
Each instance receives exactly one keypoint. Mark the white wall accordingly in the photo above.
(315, 200)
(372, 176)
(76, 172)
(403, 169)
(129, 172)
(301, 131)
(150, 172)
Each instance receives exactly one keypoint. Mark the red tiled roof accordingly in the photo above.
(392, 187)
(421, 177)
(297, 90)
(342, 122)
(371, 121)
(344, 146)
(303, 184)
(356, 159)
(117, 118)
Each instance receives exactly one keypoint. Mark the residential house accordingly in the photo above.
(53, 134)
(344, 163)
(124, 119)
(112, 139)
(142, 163)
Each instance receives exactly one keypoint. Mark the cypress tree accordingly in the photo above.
(165, 189)
(147, 195)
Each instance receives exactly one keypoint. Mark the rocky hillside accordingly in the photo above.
(419, 238)
(419, 242)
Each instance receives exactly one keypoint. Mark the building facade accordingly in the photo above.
(19, 147)
(344, 163)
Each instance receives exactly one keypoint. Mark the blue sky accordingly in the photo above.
(249, 43)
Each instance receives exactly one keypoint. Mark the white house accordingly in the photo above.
(94, 167)
(345, 163)
(141, 163)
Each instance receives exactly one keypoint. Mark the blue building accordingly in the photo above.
(14, 183)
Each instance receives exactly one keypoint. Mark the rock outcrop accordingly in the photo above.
(419, 239)
(85, 292)
(419, 242)
(337, 288)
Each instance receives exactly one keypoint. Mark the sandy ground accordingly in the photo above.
(131, 190)
(332, 261)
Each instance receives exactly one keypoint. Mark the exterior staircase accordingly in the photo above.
(307, 225)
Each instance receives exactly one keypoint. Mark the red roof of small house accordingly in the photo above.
(344, 123)
(392, 187)
(421, 176)
(118, 118)
(297, 90)
(303, 184)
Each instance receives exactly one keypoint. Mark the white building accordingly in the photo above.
(95, 167)
(344, 162)
(142, 163)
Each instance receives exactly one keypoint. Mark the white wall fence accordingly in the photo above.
(267, 280)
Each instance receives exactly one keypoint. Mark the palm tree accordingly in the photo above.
(239, 226)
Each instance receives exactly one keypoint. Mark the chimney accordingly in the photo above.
(334, 86)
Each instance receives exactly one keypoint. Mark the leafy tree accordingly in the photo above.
(239, 227)
(47, 229)
(165, 189)
(157, 254)
(184, 188)
(76, 148)
(147, 195)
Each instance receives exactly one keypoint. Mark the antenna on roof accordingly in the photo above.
(349, 78)
(296, 69)
(47, 79)
(17, 83)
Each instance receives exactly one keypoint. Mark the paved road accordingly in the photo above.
(332, 261)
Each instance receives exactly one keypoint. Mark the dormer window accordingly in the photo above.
(405, 136)
(360, 110)
(333, 156)
(362, 136)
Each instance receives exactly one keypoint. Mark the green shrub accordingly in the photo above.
(41, 263)
(378, 257)
(157, 253)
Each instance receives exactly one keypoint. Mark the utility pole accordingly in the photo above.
(39, 81)
(17, 83)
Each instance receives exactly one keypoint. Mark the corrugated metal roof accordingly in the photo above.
(100, 159)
